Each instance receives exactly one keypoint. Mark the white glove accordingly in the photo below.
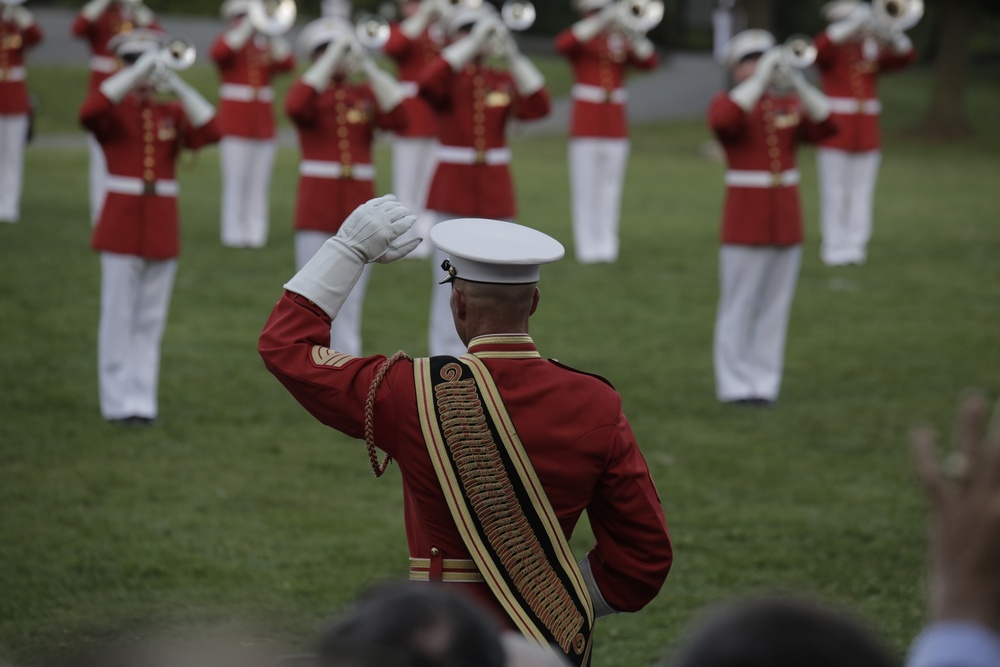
(117, 86)
(746, 94)
(816, 104)
(368, 234)
(527, 78)
(601, 607)
(859, 19)
(641, 46)
(22, 18)
(199, 110)
(319, 73)
(587, 28)
(144, 16)
(93, 9)
(239, 34)
(280, 48)
(388, 93)
(460, 53)
(415, 25)
(900, 43)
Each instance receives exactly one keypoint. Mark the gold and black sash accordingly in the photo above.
(499, 506)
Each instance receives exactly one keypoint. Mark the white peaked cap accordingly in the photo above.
(139, 40)
(838, 10)
(492, 251)
(745, 43)
(323, 30)
(461, 16)
(231, 8)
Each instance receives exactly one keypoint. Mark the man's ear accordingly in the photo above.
(458, 299)
(534, 302)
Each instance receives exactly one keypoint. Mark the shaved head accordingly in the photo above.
(485, 308)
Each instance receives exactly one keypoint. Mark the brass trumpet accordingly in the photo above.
(372, 31)
(798, 52)
(178, 54)
(518, 15)
(640, 16)
(272, 17)
(897, 15)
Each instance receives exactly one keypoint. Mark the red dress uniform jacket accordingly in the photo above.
(13, 43)
(473, 107)
(760, 146)
(141, 140)
(247, 71)
(336, 129)
(571, 425)
(116, 19)
(411, 57)
(599, 66)
(849, 79)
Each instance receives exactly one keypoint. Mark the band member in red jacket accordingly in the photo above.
(336, 114)
(247, 60)
(561, 430)
(601, 52)
(18, 33)
(852, 52)
(474, 101)
(137, 233)
(759, 124)
(98, 22)
(413, 44)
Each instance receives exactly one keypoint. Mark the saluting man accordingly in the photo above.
(336, 114)
(759, 123)
(852, 52)
(601, 52)
(18, 33)
(413, 44)
(474, 101)
(500, 451)
(247, 60)
(98, 22)
(137, 233)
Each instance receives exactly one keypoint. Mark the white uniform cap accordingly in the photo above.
(322, 31)
(234, 8)
(746, 43)
(589, 5)
(136, 41)
(492, 251)
(462, 16)
(838, 10)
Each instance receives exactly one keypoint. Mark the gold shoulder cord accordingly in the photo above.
(377, 468)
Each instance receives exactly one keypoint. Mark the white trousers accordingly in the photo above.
(98, 178)
(442, 336)
(345, 332)
(246, 181)
(757, 286)
(13, 134)
(847, 199)
(135, 298)
(413, 164)
(596, 177)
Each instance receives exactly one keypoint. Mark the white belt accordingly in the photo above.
(598, 95)
(464, 155)
(322, 169)
(127, 185)
(852, 105)
(761, 179)
(409, 88)
(15, 73)
(104, 64)
(239, 92)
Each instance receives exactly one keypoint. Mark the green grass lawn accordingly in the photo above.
(239, 506)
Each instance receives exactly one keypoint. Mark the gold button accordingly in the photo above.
(774, 152)
(776, 165)
(435, 552)
(479, 130)
(341, 131)
(147, 113)
(149, 162)
(344, 144)
(148, 175)
(479, 117)
(149, 149)
(148, 136)
(772, 140)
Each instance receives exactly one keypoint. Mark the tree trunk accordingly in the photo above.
(946, 115)
(760, 14)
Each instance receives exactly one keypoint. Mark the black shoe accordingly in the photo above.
(134, 420)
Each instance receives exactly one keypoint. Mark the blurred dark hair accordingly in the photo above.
(780, 631)
(412, 625)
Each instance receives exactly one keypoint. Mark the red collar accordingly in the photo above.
(504, 346)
